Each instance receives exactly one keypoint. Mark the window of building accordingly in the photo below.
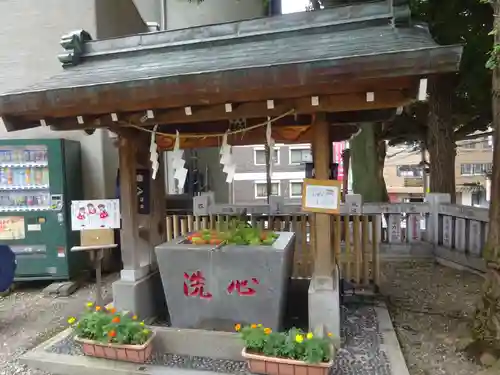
(300, 155)
(475, 169)
(485, 144)
(259, 156)
(296, 189)
(261, 189)
(409, 170)
(468, 144)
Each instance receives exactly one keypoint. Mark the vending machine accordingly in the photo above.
(38, 180)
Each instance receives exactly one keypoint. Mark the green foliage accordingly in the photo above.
(237, 232)
(240, 233)
(108, 326)
(293, 344)
(465, 22)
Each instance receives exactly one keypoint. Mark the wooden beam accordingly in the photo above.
(140, 99)
(283, 134)
(321, 150)
(386, 99)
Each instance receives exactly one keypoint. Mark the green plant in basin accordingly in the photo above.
(237, 233)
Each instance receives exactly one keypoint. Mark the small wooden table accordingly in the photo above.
(96, 255)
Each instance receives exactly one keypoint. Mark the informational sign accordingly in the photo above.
(12, 228)
(143, 177)
(321, 196)
(95, 214)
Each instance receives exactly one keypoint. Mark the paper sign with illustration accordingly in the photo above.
(322, 196)
(12, 228)
(95, 214)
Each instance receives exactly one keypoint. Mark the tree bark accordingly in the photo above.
(368, 153)
(486, 328)
(440, 135)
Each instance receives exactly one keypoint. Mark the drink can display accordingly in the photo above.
(27, 156)
(3, 177)
(38, 176)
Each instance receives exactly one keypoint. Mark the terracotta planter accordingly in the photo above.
(129, 353)
(261, 364)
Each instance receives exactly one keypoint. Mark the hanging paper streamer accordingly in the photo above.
(270, 143)
(153, 153)
(180, 172)
(226, 159)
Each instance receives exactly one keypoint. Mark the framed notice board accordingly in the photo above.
(321, 196)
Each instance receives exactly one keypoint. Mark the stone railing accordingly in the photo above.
(459, 233)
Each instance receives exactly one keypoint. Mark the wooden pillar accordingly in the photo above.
(158, 197)
(128, 204)
(321, 151)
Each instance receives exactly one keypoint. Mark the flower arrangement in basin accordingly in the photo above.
(106, 333)
(291, 352)
(237, 233)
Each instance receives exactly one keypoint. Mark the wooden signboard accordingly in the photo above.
(321, 196)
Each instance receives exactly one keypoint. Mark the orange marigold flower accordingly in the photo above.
(267, 331)
(116, 319)
(112, 333)
(98, 308)
(254, 326)
(237, 327)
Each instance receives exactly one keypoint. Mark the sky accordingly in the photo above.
(291, 6)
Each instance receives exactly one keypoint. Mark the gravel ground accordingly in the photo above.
(28, 318)
(429, 305)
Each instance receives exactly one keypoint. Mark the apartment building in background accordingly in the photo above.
(288, 171)
(403, 173)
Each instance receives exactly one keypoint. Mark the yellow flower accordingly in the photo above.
(267, 331)
(259, 325)
(253, 326)
(98, 308)
(90, 304)
(72, 320)
(299, 338)
(330, 334)
(310, 335)
(237, 327)
(141, 324)
(134, 317)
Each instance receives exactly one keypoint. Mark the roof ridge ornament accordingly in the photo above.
(401, 14)
(73, 43)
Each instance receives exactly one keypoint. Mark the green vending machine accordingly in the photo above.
(38, 180)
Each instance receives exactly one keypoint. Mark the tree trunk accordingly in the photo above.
(486, 328)
(367, 163)
(440, 135)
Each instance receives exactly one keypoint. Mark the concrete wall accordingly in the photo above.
(182, 13)
(29, 41)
